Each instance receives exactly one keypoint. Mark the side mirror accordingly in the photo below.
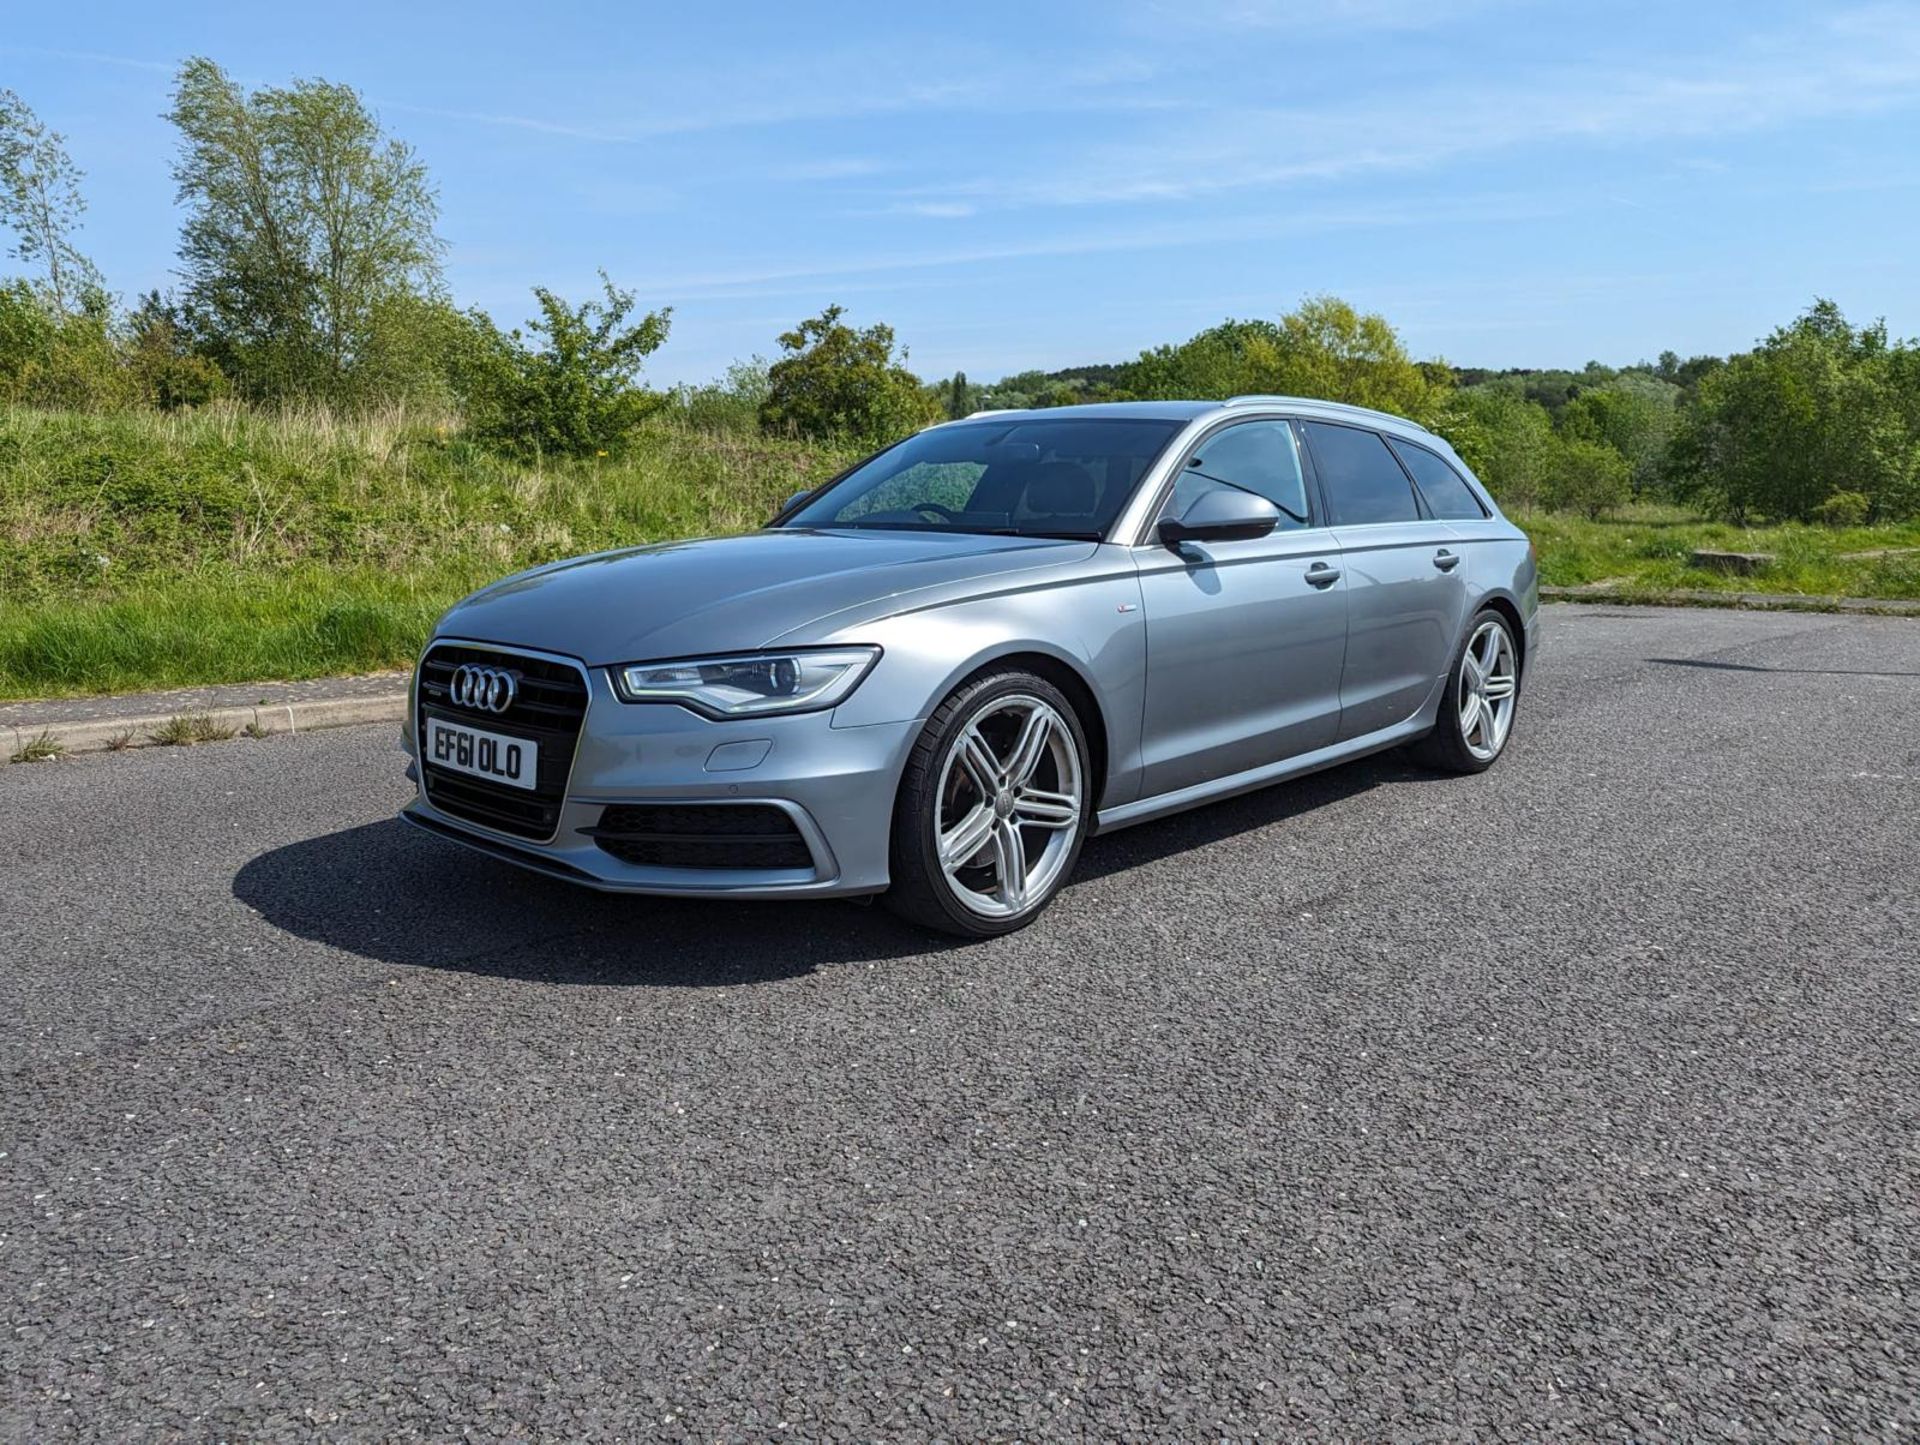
(795, 500)
(1225, 514)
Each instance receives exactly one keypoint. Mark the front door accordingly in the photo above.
(1245, 639)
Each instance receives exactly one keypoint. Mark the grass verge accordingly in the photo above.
(185, 632)
(1645, 549)
(142, 551)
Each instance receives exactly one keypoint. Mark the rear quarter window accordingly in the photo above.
(1445, 491)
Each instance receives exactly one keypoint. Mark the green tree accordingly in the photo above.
(1330, 350)
(160, 360)
(304, 225)
(835, 381)
(959, 396)
(1503, 436)
(40, 203)
(1588, 477)
(1324, 349)
(571, 385)
(1819, 407)
(1232, 359)
(1635, 415)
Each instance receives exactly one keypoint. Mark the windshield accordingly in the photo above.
(1030, 478)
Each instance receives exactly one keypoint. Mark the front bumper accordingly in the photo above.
(837, 784)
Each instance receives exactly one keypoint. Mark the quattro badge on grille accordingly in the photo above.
(484, 689)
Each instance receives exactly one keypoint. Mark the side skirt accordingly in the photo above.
(1212, 791)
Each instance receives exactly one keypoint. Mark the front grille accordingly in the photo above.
(548, 709)
(701, 835)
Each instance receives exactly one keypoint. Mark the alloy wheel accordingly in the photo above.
(1489, 677)
(1009, 805)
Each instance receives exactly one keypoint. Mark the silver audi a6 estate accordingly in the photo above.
(932, 677)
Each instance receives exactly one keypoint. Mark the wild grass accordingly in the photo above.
(187, 729)
(142, 550)
(1646, 549)
(43, 747)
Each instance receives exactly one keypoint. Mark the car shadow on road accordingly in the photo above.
(389, 892)
(386, 891)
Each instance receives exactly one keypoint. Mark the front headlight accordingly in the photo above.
(750, 685)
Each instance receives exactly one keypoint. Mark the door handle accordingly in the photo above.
(1321, 575)
(1445, 560)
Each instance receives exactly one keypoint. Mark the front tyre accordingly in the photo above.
(1483, 690)
(992, 809)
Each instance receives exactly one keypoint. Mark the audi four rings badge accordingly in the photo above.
(488, 689)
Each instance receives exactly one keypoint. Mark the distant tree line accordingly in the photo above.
(310, 270)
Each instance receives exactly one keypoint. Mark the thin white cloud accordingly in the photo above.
(937, 210)
(1312, 17)
(1851, 63)
(832, 168)
(1107, 239)
(90, 57)
(791, 92)
(510, 121)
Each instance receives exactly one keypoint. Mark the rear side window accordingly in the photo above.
(1257, 456)
(1446, 493)
(1364, 484)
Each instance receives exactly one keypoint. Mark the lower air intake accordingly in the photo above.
(743, 836)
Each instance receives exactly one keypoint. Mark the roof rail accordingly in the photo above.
(1336, 406)
(992, 411)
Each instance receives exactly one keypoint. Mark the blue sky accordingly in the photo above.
(1061, 182)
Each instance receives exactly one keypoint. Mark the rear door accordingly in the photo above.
(1244, 639)
(1406, 589)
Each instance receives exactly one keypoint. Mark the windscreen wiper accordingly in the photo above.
(1049, 536)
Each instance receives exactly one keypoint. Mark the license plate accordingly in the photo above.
(481, 754)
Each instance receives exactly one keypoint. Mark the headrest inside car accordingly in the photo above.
(1061, 489)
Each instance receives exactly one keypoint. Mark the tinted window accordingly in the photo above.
(1446, 494)
(1258, 456)
(1040, 478)
(1362, 480)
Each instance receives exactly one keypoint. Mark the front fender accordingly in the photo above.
(1093, 626)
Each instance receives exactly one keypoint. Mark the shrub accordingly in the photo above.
(838, 382)
(57, 359)
(576, 391)
(1587, 477)
(731, 404)
(1844, 509)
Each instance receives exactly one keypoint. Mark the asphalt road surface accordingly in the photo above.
(1578, 1100)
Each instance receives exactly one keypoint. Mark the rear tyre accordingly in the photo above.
(1482, 697)
(992, 809)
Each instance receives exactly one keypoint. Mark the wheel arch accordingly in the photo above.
(1066, 675)
(1508, 609)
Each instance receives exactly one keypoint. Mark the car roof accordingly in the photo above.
(1189, 410)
